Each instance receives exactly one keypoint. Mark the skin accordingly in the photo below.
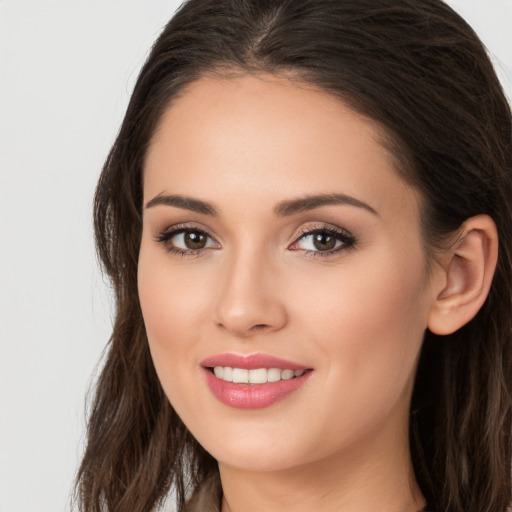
(356, 316)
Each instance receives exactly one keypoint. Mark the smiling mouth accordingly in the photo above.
(253, 381)
(254, 376)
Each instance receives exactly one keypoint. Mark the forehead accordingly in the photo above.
(264, 135)
(254, 108)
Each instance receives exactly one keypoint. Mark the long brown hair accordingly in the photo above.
(417, 69)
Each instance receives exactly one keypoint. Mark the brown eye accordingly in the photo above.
(324, 241)
(194, 240)
(182, 240)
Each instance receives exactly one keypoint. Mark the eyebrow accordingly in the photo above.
(307, 203)
(283, 209)
(185, 202)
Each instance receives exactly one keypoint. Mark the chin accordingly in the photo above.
(257, 462)
(259, 451)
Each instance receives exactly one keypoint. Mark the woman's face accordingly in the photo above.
(278, 236)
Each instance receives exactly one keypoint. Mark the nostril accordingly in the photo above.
(259, 327)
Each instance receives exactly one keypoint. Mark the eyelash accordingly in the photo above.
(347, 240)
(169, 233)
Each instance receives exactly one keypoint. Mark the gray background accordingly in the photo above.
(66, 70)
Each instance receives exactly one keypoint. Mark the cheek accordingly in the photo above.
(171, 311)
(175, 300)
(369, 324)
(170, 297)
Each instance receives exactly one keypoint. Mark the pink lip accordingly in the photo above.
(251, 362)
(252, 396)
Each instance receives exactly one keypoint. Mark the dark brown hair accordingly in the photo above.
(417, 69)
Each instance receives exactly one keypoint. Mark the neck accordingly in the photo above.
(374, 476)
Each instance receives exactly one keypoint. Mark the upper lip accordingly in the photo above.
(251, 362)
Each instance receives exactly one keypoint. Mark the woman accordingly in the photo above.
(306, 220)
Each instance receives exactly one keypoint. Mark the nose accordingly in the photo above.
(249, 301)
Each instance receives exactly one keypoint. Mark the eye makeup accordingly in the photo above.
(186, 240)
(320, 240)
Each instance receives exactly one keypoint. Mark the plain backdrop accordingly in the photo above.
(66, 71)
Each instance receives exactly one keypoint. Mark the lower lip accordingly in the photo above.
(253, 396)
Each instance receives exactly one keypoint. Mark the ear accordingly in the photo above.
(467, 271)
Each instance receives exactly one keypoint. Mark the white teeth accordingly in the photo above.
(256, 376)
(287, 374)
(227, 374)
(240, 375)
(274, 374)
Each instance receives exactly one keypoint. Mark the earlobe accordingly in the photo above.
(468, 271)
